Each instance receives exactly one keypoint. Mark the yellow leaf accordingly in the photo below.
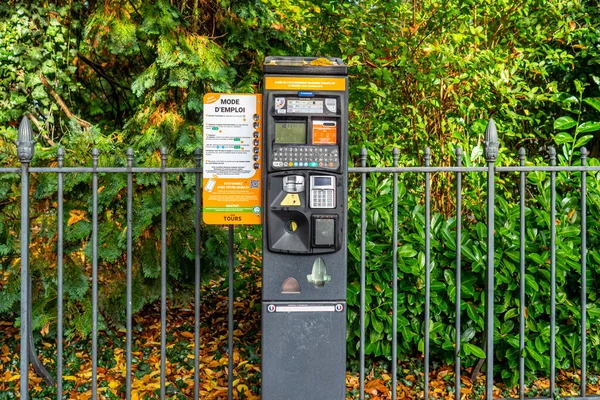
(76, 216)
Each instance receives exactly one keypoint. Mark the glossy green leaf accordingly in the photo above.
(594, 102)
(588, 127)
(564, 123)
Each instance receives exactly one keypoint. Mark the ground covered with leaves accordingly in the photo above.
(214, 358)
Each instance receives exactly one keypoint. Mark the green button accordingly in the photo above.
(237, 139)
(237, 147)
(215, 128)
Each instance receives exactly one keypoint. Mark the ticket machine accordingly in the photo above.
(304, 228)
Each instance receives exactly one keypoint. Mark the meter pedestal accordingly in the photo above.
(304, 228)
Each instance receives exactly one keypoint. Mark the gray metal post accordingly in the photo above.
(458, 277)
(583, 384)
(25, 151)
(129, 270)
(427, 317)
(491, 145)
(59, 328)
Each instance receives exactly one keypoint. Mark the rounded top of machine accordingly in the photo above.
(304, 66)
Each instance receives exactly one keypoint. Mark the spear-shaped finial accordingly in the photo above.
(25, 141)
(491, 143)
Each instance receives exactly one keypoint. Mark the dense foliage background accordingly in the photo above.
(113, 74)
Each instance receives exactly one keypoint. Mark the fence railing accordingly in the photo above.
(25, 145)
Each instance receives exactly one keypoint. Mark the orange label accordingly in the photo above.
(324, 132)
(232, 159)
(304, 83)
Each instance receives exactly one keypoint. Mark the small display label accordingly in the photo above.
(305, 106)
(324, 132)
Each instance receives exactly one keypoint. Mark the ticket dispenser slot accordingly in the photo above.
(304, 228)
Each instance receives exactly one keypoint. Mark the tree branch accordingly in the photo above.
(40, 129)
(100, 71)
(84, 124)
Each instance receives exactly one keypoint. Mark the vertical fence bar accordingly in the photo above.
(583, 274)
(491, 145)
(129, 268)
(522, 278)
(395, 154)
(552, 153)
(163, 274)
(24, 279)
(363, 251)
(457, 273)
(198, 193)
(95, 154)
(59, 261)
(230, 318)
(25, 150)
(427, 158)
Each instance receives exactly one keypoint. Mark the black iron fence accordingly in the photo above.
(25, 146)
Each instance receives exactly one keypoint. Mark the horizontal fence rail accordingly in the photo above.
(27, 352)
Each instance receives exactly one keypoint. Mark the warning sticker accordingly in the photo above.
(324, 132)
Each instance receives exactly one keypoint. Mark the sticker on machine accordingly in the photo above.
(279, 102)
(331, 104)
(324, 132)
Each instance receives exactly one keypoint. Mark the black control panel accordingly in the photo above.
(322, 157)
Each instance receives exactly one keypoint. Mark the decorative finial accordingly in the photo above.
(25, 141)
(427, 156)
(363, 157)
(395, 155)
(95, 155)
(552, 154)
(522, 154)
(198, 156)
(60, 154)
(129, 157)
(459, 155)
(163, 156)
(491, 143)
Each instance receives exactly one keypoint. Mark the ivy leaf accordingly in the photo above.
(564, 123)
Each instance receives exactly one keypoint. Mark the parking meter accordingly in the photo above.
(305, 132)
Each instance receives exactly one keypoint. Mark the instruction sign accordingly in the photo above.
(232, 159)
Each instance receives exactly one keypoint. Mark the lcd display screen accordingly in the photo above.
(321, 181)
(290, 132)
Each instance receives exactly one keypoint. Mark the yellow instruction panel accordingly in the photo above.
(304, 83)
(232, 164)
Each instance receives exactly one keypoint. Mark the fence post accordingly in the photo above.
(25, 150)
(491, 146)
